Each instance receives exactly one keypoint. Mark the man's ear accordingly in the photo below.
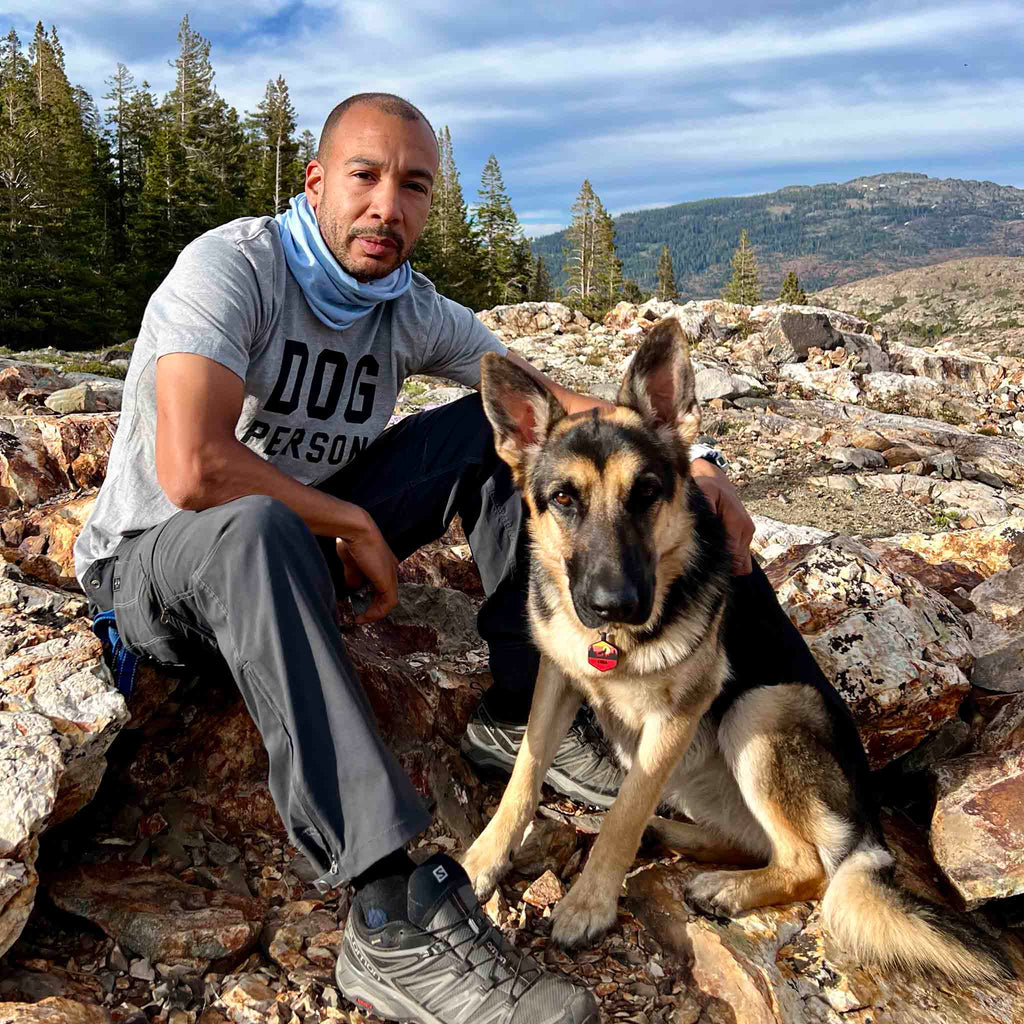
(521, 410)
(660, 382)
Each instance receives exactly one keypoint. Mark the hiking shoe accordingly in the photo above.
(424, 950)
(584, 768)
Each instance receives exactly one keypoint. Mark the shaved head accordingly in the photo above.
(385, 102)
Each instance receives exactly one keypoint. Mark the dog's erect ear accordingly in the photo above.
(659, 383)
(520, 409)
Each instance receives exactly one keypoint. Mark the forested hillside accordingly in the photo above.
(827, 234)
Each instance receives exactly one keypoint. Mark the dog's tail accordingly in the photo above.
(877, 921)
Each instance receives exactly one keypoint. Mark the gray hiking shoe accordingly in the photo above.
(425, 951)
(584, 768)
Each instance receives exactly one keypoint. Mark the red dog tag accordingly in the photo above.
(603, 655)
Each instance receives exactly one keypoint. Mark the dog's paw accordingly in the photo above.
(484, 870)
(583, 917)
(713, 893)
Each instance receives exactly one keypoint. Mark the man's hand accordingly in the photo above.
(722, 496)
(368, 559)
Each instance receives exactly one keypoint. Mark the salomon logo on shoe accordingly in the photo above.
(440, 874)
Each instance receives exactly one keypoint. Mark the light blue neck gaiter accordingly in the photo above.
(335, 296)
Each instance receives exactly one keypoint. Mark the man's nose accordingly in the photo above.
(387, 202)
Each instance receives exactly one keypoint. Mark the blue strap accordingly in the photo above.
(123, 663)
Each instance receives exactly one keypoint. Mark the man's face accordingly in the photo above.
(372, 191)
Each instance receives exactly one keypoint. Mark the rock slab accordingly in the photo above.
(159, 917)
(977, 833)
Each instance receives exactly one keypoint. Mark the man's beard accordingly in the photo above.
(339, 247)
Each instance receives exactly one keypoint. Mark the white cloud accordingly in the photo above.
(536, 230)
(941, 120)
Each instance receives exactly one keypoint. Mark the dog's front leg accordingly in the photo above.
(554, 704)
(591, 906)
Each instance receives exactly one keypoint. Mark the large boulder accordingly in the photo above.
(977, 830)
(526, 318)
(792, 335)
(953, 370)
(897, 652)
(59, 714)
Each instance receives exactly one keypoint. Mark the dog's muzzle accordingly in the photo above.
(607, 595)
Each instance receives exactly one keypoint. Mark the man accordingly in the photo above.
(251, 473)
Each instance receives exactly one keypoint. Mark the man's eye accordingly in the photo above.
(416, 186)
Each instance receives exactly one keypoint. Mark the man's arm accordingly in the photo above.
(571, 401)
(200, 463)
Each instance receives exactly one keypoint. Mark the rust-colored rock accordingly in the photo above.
(895, 650)
(977, 831)
(55, 1010)
(945, 577)
(159, 917)
(544, 891)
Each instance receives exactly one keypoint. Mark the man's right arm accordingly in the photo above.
(200, 463)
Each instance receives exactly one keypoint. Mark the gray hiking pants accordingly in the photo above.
(249, 579)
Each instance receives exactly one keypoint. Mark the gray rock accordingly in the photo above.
(790, 337)
(80, 398)
(858, 458)
(1001, 671)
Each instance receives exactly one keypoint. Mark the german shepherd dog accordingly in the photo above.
(625, 546)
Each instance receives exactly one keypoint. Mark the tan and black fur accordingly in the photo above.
(775, 776)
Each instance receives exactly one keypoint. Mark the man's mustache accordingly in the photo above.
(381, 232)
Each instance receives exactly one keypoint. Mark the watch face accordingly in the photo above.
(603, 655)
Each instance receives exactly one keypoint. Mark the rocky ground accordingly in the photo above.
(144, 875)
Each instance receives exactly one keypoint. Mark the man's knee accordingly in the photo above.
(258, 519)
(474, 429)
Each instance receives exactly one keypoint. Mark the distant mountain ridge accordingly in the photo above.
(828, 234)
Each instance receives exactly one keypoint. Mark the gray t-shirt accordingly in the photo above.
(314, 397)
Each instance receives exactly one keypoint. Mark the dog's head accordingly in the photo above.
(605, 487)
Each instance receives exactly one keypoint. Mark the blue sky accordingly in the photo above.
(656, 104)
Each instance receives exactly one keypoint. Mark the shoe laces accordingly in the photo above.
(519, 968)
(586, 727)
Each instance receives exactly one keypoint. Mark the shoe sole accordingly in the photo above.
(488, 757)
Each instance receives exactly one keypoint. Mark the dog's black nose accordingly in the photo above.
(614, 601)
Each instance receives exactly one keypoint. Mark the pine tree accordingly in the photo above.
(745, 285)
(540, 282)
(593, 269)
(307, 147)
(581, 251)
(501, 239)
(608, 272)
(55, 180)
(631, 292)
(273, 150)
(448, 251)
(667, 291)
(122, 90)
(792, 292)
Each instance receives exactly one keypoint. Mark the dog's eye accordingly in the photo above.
(562, 499)
(647, 491)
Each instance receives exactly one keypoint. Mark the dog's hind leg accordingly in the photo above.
(775, 740)
(696, 842)
(551, 713)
